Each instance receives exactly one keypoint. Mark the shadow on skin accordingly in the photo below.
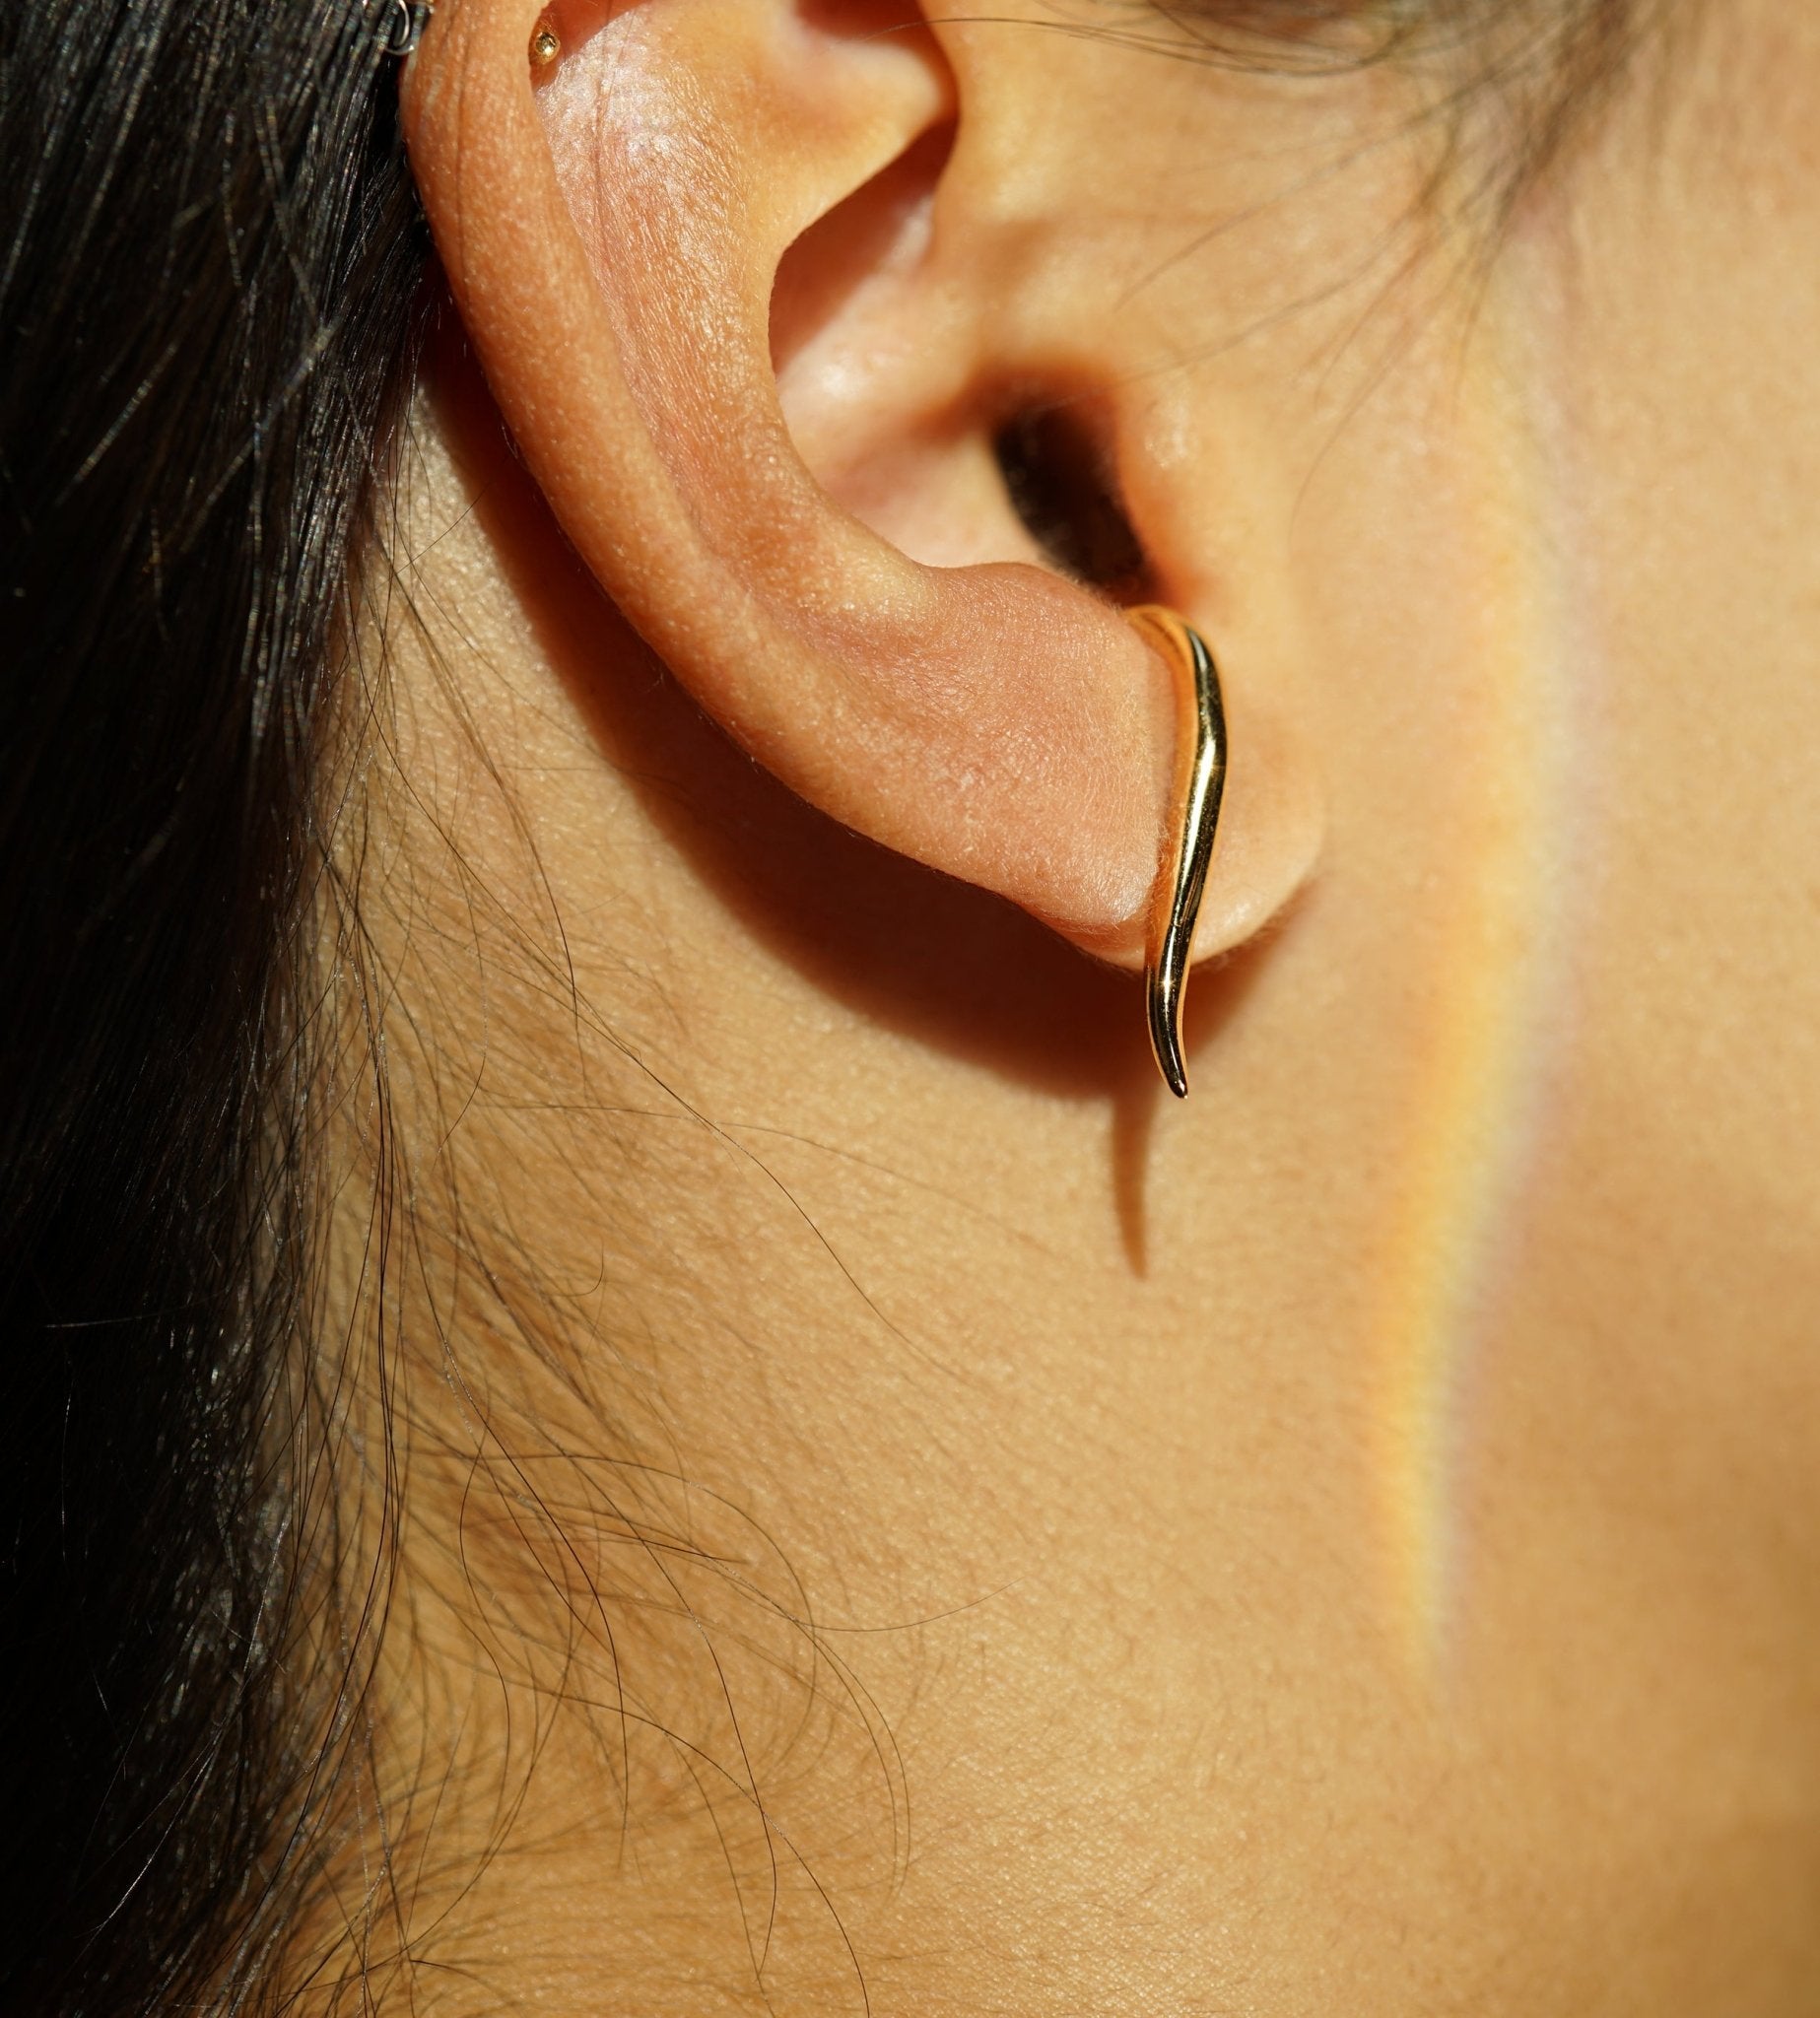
(933, 959)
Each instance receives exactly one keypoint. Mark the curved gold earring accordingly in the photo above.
(1200, 784)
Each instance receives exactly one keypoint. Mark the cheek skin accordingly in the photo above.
(1672, 1273)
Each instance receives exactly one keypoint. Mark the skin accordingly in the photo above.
(895, 1512)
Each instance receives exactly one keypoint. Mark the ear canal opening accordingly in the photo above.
(1061, 484)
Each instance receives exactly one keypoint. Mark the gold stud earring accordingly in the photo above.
(1200, 784)
(546, 47)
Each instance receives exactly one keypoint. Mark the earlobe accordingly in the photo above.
(612, 234)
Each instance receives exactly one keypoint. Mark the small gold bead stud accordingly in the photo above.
(545, 47)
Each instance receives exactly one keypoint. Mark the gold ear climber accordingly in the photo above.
(1200, 783)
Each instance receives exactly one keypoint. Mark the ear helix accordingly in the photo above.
(1187, 849)
(989, 717)
(1187, 852)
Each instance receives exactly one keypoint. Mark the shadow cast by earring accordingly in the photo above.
(1220, 987)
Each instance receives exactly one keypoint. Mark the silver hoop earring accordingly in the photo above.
(403, 28)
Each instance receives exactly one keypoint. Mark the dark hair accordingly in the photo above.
(208, 277)
(211, 253)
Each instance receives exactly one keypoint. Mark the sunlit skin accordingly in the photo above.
(898, 1513)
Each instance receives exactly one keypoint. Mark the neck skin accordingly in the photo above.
(892, 1507)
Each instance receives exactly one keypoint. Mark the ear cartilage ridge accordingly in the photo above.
(1187, 853)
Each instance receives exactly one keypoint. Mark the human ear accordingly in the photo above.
(877, 630)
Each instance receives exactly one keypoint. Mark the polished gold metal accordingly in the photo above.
(1187, 852)
(546, 47)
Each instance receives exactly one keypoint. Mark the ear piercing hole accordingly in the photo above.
(1061, 489)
